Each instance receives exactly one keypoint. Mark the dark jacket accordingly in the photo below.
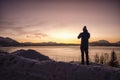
(84, 38)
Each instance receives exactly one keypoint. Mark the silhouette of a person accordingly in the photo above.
(85, 35)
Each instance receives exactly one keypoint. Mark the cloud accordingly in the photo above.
(36, 35)
(11, 30)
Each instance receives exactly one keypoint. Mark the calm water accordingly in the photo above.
(67, 53)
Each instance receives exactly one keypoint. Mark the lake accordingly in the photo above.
(68, 53)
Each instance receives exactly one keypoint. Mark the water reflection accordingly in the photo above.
(67, 53)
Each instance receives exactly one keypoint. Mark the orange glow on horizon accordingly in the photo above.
(64, 39)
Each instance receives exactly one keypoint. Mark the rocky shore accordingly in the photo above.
(29, 65)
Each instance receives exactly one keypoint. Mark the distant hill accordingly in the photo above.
(118, 42)
(100, 42)
(104, 43)
(39, 44)
(6, 41)
(46, 44)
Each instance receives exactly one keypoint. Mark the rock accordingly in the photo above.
(14, 67)
(32, 54)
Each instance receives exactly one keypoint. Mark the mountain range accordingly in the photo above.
(6, 41)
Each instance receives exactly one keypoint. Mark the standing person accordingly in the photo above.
(85, 35)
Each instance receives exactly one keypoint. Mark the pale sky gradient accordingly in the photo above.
(59, 21)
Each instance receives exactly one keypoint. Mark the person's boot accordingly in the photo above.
(82, 62)
(87, 62)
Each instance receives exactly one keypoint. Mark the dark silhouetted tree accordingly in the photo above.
(102, 59)
(113, 61)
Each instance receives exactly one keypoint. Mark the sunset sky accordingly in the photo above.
(60, 20)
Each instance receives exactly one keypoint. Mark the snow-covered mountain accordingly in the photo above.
(102, 41)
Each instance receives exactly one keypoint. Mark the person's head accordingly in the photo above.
(84, 29)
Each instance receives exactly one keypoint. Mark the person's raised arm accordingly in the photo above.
(79, 36)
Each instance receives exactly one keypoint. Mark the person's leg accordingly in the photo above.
(82, 55)
(87, 57)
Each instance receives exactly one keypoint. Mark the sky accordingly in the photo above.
(59, 21)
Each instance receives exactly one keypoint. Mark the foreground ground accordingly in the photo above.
(15, 67)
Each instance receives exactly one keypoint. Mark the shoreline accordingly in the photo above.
(14, 67)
